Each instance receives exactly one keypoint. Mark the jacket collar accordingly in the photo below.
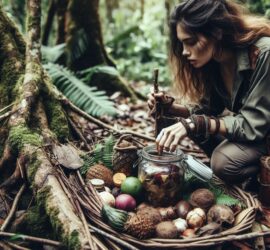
(242, 60)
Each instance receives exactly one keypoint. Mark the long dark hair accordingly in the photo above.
(210, 17)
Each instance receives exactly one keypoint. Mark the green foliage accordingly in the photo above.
(192, 183)
(102, 153)
(87, 74)
(87, 98)
(79, 47)
(142, 45)
(259, 7)
(52, 54)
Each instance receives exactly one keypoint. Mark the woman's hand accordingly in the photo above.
(169, 137)
(165, 100)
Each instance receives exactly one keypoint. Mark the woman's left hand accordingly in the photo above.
(169, 137)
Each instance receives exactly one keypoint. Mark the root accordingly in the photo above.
(7, 157)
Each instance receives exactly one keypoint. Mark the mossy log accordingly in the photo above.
(37, 121)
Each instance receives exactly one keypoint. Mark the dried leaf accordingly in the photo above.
(67, 156)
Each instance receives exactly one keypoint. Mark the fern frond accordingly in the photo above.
(87, 98)
(79, 46)
(52, 54)
(87, 74)
(102, 153)
(224, 199)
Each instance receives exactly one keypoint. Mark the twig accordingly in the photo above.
(13, 208)
(79, 133)
(32, 238)
(7, 107)
(15, 246)
(102, 124)
(109, 236)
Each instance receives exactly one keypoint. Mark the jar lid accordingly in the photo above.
(150, 153)
(97, 183)
(197, 168)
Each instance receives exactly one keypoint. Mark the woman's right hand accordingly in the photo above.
(165, 100)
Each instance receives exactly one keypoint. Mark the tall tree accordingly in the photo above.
(33, 121)
(84, 22)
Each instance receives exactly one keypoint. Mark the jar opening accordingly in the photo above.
(151, 154)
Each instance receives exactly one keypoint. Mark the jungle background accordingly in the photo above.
(96, 65)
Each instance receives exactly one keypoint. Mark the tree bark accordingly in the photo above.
(86, 49)
(32, 127)
(49, 22)
(84, 17)
(61, 20)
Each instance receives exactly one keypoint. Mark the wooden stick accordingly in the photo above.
(109, 236)
(32, 238)
(13, 208)
(79, 133)
(102, 124)
(7, 107)
(15, 246)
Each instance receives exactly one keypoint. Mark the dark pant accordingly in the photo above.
(234, 162)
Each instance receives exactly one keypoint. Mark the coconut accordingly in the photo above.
(166, 230)
(99, 171)
(202, 198)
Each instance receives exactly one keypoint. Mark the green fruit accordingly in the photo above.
(131, 185)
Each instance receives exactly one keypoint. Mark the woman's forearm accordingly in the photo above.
(179, 110)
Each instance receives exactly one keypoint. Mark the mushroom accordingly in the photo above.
(220, 214)
(196, 218)
(166, 230)
(202, 198)
(180, 224)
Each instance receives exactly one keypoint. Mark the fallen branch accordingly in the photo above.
(102, 124)
(31, 238)
(13, 208)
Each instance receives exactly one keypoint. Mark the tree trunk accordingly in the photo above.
(37, 123)
(84, 19)
(86, 49)
(49, 22)
(110, 6)
(61, 20)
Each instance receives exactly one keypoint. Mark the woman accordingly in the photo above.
(221, 60)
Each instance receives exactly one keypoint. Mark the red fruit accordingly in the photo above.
(125, 202)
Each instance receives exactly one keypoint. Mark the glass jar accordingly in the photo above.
(162, 176)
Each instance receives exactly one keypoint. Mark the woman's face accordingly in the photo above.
(198, 50)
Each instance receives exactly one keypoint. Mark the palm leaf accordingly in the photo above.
(87, 98)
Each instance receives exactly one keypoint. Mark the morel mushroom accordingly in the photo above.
(220, 214)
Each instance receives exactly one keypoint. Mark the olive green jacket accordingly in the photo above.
(250, 100)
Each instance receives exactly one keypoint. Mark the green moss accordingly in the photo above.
(57, 119)
(32, 168)
(36, 223)
(71, 241)
(21, 135)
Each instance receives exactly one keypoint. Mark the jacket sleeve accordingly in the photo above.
(210, 104)
(253, 119)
